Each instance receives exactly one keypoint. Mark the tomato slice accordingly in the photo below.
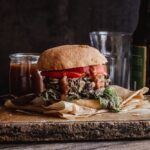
(79, 69)
(76, 72)
(99, 69)
(61, 74)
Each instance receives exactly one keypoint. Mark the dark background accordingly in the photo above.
(35, 25)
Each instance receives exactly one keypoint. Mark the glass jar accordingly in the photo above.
(24, 76)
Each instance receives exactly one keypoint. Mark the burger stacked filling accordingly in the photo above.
(73, 88)
(83, 82)
(90, 82)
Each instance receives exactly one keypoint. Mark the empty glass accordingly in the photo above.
(116, 47)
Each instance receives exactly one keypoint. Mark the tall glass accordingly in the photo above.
(116, 47)
(24, 76)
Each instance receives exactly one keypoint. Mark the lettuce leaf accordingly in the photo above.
(110, 100)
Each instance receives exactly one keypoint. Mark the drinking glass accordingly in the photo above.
(116, 47)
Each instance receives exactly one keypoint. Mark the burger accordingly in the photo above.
(77, 73)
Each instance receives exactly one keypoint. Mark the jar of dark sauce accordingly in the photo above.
(24, 77)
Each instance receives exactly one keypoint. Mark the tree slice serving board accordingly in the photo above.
(21, 127)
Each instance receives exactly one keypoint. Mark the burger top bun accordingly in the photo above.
(70, 56)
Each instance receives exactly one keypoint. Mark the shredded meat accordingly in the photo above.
(75, 88)
(64, 87)
(97, 78)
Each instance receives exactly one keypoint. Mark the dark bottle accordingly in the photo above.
(140, 52)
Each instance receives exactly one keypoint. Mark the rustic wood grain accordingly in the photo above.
(110, 145)
(108, 126)
(74, 131)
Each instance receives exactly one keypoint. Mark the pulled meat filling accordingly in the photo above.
(75, 88)
(94, 87)
(64, 87)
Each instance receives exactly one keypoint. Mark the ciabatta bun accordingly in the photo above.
(70, 56)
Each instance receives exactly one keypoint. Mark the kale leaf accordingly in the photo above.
(110, 100)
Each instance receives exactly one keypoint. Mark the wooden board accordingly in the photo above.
(15, 127)
(98, 145)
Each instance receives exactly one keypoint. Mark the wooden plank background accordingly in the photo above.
(35, 25)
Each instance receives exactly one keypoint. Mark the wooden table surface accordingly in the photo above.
(140, 144)
(103, 145)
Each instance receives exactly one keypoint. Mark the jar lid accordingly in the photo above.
(24, 56)
(17, 55)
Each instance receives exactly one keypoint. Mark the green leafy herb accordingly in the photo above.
(51, 94)
(110, 99)
(73, 96)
